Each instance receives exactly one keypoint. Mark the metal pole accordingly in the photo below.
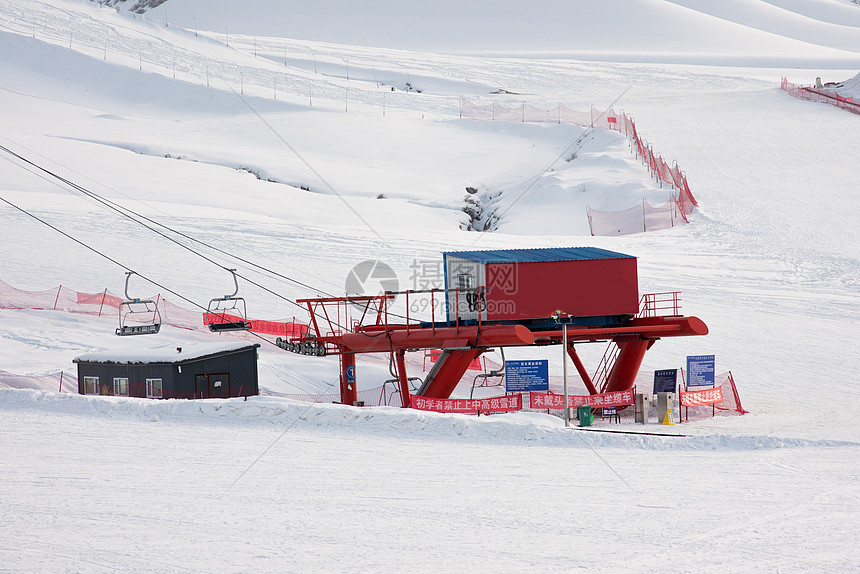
(564, 362)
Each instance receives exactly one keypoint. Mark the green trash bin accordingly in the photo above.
(583, 413)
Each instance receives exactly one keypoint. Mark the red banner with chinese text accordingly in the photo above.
(702, 397)
(468, 406)
(283, 329)
(554, 401)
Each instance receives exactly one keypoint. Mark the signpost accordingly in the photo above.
(665, 381)
(526, 376)
(700, 371)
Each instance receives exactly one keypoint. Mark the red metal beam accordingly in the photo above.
(580, 368)
(428, 338)
(464, 343)
(450, 372)
(645, 327)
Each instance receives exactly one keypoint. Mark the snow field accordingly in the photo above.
(341, 490)
(769, 263)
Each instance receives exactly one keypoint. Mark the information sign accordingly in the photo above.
(700, 371)
(664, 381)
(526, 376)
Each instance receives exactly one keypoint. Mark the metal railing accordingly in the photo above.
(660, 304)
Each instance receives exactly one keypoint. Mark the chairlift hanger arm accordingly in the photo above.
(235, 284)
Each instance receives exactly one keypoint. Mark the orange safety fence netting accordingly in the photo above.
(729, 405)
(675, 211)
(820, 95)
(106, 303)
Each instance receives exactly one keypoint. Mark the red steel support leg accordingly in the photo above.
(450, 373)
(348, 388)
(404, 380)
(580, 368)
(630, 355)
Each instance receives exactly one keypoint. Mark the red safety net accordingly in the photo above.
(633, 220)
(475, 365)
(673, 175)
(57, 382)
(279, 328)
(820, 95)
(729, 405)
(106, 303)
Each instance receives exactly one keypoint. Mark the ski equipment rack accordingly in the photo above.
(228, 313)
(133, 308)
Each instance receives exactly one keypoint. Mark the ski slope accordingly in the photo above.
(277, 148)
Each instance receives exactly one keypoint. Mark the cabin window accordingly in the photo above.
(153, 388)
(91, 385)
(120, 387)
(464, 281)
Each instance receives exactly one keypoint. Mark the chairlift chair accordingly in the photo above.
(228, 313)
(143, 311)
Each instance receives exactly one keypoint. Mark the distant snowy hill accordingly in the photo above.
(745, 32)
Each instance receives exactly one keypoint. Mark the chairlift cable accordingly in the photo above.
(152, 220)
(115, 262)
(122, 211)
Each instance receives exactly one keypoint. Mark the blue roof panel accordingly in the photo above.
(537, 255)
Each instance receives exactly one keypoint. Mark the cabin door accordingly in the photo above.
(201, 387)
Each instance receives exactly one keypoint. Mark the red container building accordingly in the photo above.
(531, 284)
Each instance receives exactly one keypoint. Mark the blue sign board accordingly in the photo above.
(700, 371)
(610, 411)
(664, 381)
(526, 376)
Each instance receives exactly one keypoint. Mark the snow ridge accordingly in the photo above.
(282, 413)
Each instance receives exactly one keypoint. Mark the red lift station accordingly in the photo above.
(503, 298)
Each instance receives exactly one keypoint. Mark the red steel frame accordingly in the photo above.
(462, 342)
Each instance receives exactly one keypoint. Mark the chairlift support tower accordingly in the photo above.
(597, 290)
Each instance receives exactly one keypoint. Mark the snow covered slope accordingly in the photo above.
(175, 123)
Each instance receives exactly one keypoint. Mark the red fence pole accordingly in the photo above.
(104, 296)
(61, 382)
(58, 297)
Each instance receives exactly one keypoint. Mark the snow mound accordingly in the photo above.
(512, 428)
(849, 88)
